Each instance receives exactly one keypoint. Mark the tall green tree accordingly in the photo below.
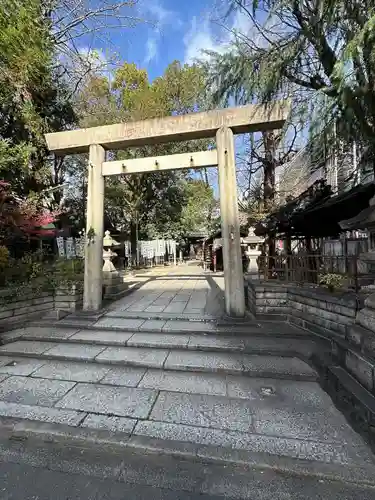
(320, 52)
(32, 95)
(148, 204)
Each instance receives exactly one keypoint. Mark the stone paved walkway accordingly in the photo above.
(185, 290)
(151, 371)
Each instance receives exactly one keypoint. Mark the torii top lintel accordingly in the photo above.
(241, 119)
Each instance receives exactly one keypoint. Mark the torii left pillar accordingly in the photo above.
(93, 279)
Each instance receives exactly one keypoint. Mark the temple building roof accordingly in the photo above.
(316, 212)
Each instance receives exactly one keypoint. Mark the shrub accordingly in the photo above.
(332, 281)
(68, 272)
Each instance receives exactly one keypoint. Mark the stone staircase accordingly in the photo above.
(236, 392)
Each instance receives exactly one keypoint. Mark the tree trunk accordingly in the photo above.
(134, 241)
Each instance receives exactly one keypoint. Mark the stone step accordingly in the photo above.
(255, 365)
(255, 418)
(304, 348)
(282, 392)
(274, 329)
(202, 318)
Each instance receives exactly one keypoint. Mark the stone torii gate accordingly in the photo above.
(220, 123)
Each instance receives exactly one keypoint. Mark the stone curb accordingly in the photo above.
(25, 430)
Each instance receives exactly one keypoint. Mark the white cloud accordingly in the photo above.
(151, 50)
(159, 17)
(205, 34)
(158, 11)
(199, 38)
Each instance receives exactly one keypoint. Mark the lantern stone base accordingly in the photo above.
(113, 284)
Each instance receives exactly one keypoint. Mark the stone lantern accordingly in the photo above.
(108, 254)
(252, 253)
(112, 280)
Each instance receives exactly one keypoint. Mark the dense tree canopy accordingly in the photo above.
(152, 204)
(32, 96)
(319, 52)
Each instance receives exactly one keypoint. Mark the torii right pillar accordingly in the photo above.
(230, 225)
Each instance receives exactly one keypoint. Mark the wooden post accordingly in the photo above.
(93, 279)
(230, 225)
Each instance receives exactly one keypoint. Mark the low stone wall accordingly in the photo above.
(322, 312)
(266, 299)
(346, 319)
(68, 299)
(309, 307)
(250, 297)
(17, 310)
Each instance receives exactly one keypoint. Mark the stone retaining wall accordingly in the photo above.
(16, 310)
(69, 300)
(307, 307)
(347, 319)
(320, 311)
(267, 299)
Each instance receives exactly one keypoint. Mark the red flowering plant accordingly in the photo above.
(23, 217)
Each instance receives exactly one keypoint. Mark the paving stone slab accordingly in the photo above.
(48, 333)
(26, 347)
(203, 410)
(40, 413)
(128, 376)
(33, 391)
(138, 307)
(185, 382)
(142, 356)
(102, 337)
(74, 351)
(155, 308)
(152, 325)
(76, 323)
(130, 324)
(279, 345)
(278, 393)
(325, 425)
(19, 366)
(175, 307)
(112, 401)
(277, 365)
(201, 361)
(294, 448)
(194, 311)
(216, 342)
(114, 424)
(78, 372)
(159, 340)
(191, 326)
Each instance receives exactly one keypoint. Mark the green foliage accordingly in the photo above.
(320, 53)
(4, 262)
(68, 273)
(33, 274)
(152, 203)
(33, 97)
(196, 213)
(332, 281)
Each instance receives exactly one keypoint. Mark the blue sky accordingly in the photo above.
(174, 29)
